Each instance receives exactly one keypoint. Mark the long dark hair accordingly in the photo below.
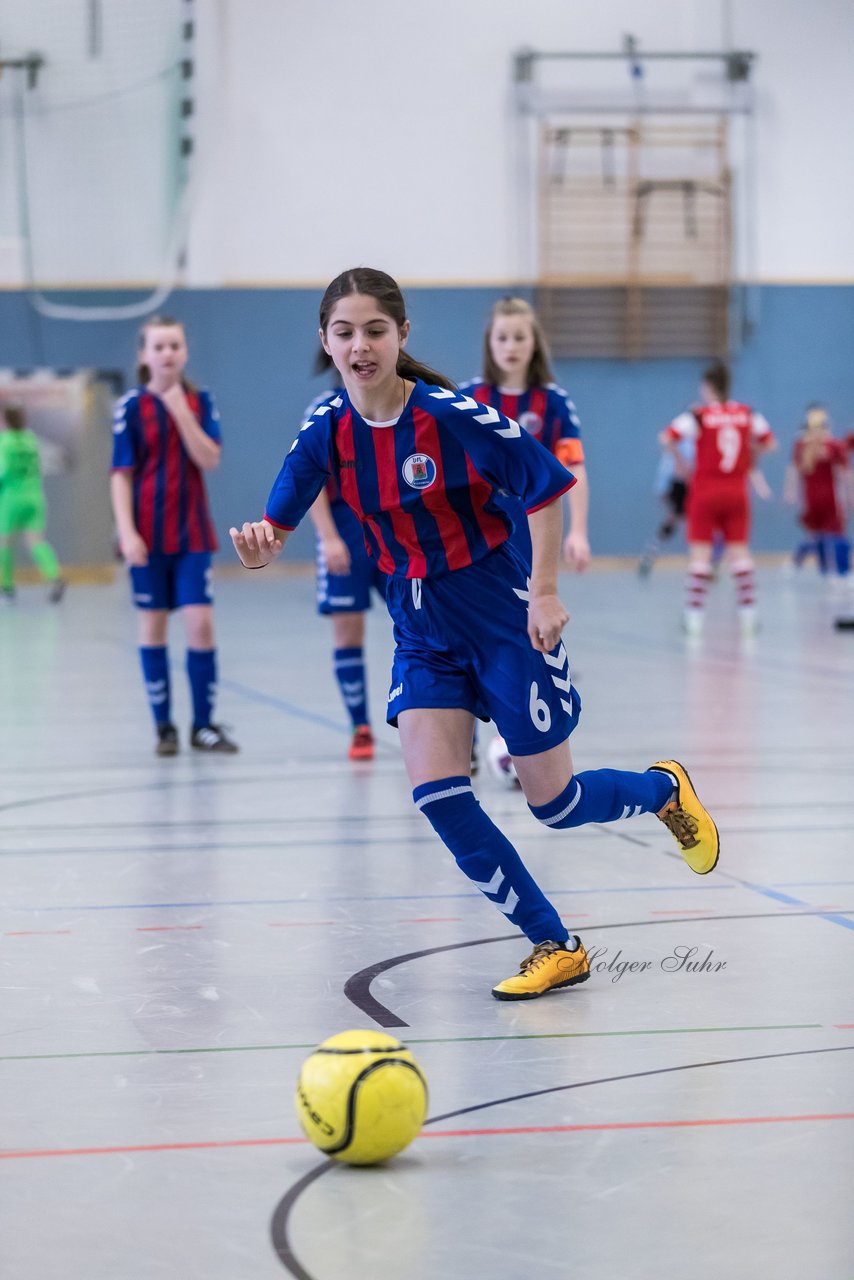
(385, 292)
(539, 371)
(143, 373)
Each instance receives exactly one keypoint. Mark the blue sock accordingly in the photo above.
(155, 673)
(350, 674)
(487, 857)
(604, 795)
(201, 672)
(842, 550)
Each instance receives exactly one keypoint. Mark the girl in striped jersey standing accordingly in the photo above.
(517, 379)
(166, 436)
(477, 629)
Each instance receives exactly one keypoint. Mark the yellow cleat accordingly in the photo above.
(688, 822)
(548, 967)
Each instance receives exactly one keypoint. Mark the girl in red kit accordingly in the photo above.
(729, 437)
(820, 476)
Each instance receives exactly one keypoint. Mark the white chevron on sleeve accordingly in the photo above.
(442, 394)
(466, 403)
(511, 431)
(488, 416)
(562, 684)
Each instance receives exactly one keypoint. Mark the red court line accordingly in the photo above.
(431, 920)
(633, 1124)
(33, 933)
(432, 1133)
(574, 915)
(166, 928)
(694, 911)
(844, 1026)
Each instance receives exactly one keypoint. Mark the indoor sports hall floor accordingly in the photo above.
(176, 935)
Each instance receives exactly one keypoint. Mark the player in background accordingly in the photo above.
(166, 435)
(671, 485)
(729, 436)
(819, 476)
(346, 574)
(23, 511)
(518, 381)
(477, 629)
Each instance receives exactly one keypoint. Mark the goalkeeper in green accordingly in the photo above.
(22, 506)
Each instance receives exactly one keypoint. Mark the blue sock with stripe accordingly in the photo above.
(155, 672)
(605, 795)
(487, 857)
(350, 674)
(201, 672)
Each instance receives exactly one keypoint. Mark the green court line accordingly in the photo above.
(547, 1035)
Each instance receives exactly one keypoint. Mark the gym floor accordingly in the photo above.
(176, 935)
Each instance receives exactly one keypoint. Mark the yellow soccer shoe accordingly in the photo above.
(548, 968)
(688, 822)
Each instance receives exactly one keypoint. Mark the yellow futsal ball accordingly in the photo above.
(361, 1097)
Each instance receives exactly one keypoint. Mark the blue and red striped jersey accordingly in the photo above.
(546, 413)
(170, 505)
(333, 492)
(425, 488)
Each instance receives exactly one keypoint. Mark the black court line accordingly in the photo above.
(357, 988)
(280, 1221)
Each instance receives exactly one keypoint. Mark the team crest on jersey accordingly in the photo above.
(419, 471)
(532, 422)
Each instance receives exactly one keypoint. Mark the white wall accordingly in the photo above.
(384, 132)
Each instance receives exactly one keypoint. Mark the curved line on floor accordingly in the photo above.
(280, 1221)
(357, 988)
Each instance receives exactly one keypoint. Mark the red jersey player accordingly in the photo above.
(820, 474)
(729, 436)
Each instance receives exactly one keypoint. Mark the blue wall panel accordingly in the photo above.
(255, 349)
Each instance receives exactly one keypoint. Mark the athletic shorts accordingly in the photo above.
(462, 641)
(21, 511)
(723, 511)
(677, 496)
(348, 592)
(170, 582)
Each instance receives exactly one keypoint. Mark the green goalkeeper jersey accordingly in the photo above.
(20, 468)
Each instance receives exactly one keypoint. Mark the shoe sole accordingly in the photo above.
(661, 769)
(535, 995)
(170, 750)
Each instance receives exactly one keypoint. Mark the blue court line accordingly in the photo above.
(789, 901)
(401, 897)
(279, 704)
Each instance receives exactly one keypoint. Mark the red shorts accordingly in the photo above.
(823, 519)
(723, 511)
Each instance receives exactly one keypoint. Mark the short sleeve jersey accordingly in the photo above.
(819, 482)
(425, 487)
(724, 435)
(20, 468)
(333, 493)
(169, 500)
(546, 413)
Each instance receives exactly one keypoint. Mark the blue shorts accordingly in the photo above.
(462, 641)
(348, 592)
(170, 582)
